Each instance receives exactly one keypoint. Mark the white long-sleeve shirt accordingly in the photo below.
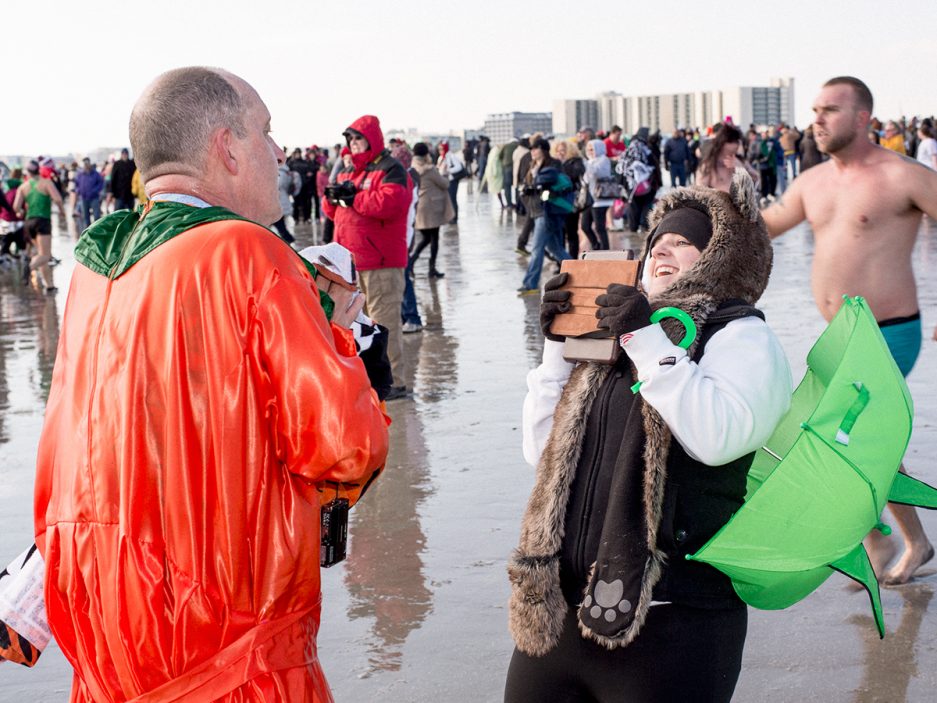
(722, 408)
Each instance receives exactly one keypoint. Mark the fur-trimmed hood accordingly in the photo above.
(737, 261)
(735, 265)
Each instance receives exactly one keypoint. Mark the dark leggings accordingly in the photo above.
(597, 237)
(769, 181)
(638, 210)
(429, 237)
(571, 228)
(454, 197)
(682, 654)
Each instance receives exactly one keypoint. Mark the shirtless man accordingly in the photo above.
(865, 206)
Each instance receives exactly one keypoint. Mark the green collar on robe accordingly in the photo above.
(116, 242)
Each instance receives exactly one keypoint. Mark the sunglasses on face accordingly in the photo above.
(356, 138)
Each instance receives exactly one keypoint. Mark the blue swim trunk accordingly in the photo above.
(903, 336)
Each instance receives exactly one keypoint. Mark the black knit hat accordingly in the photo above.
(688, 222)
(420, 149)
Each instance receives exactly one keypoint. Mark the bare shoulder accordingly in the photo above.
(912, 178)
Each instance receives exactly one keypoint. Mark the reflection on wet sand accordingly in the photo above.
(29, 321)
(433, 353)
(384, 572)
(891, 664)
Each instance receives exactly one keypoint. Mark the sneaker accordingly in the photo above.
(436, 274)
(397, 392)
(522, 251)
(527, 291)
(411, 327)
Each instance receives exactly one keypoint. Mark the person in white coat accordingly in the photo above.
(631, 481)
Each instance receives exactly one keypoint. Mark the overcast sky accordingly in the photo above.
(74, 70)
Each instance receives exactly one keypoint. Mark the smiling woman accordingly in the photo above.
(676, 245)
(627, 484)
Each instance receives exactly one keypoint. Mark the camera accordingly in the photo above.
(342, 193)
(334, 532)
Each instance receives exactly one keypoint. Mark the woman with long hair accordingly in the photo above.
(720, 157)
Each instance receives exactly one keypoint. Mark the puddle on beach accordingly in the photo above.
(418, 610)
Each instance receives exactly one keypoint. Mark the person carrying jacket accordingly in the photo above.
(202, 410)
(628, 483)
(369, 204)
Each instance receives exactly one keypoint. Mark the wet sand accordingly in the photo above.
(418, 611)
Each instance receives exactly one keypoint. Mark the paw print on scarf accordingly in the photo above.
(608, 599)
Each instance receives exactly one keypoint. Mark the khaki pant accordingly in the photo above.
(383, 293)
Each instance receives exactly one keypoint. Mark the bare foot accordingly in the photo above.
(912, 560)
(881, 550)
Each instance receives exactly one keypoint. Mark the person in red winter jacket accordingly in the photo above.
(369, 203)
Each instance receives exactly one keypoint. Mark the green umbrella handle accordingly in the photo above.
(688, 325)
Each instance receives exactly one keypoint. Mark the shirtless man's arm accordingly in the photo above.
(788, 210)
(923, 190)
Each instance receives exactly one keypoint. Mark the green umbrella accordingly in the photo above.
(820, 483)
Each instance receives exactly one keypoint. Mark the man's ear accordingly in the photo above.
(224, 145)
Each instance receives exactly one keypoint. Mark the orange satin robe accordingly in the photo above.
(199, 402)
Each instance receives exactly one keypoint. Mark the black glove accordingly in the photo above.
(554, 302)
(622, 309)
(529, 190)
(342, 193)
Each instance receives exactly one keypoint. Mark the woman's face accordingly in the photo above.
(561, 151)
(590, 150)
(671, 256)
(727, 154)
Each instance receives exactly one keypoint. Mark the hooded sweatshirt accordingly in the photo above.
(374, 227)
(598, 168)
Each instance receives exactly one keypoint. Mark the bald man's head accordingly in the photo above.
(172, 123)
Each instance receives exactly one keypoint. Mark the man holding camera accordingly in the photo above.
(369, 204)
(203, 416)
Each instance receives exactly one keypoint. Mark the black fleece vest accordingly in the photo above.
(698, 499)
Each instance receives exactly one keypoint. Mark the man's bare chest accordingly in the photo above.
(855, 208)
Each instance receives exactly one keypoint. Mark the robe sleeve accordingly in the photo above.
(329, 425)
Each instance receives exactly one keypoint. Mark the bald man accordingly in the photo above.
(202, 410)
